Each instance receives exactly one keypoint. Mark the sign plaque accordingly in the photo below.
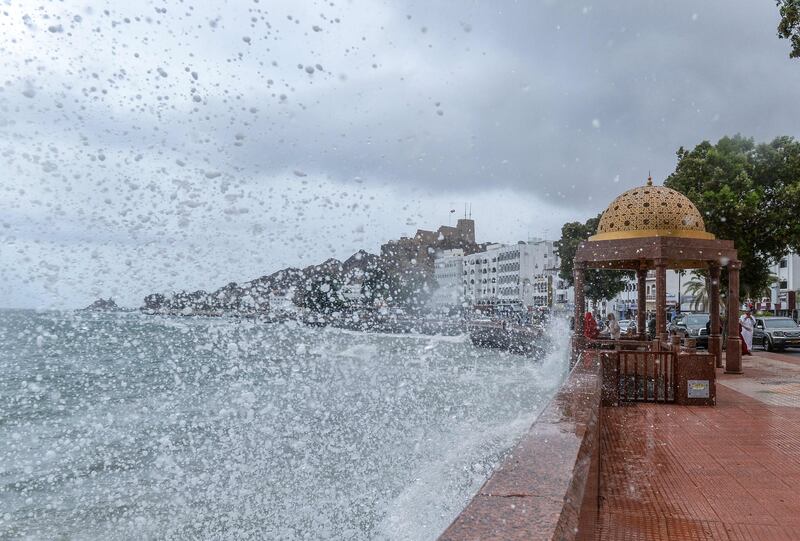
(698, 388)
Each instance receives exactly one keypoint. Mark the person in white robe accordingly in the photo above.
(748, 324)
(613, 327)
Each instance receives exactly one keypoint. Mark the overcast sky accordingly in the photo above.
(161, 145)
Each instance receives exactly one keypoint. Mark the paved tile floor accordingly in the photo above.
(731, 472)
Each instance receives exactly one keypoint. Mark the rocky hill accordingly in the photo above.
(253, 297)
(103, 305)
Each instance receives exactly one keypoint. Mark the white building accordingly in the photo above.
(281, 303)
(625, 303)
(479, 276)
(352, 292)
(521, 275)
(788, 272)
(563, 295)
(448, 269)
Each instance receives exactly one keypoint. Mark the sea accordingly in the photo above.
(127, 426)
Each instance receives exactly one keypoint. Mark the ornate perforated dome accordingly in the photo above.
(651, 211)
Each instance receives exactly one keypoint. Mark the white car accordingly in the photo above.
(624, 324)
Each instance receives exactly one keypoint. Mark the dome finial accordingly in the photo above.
(649, 179)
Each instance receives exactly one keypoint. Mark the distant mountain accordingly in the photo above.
(253, 297)
(104, 305)
(359, 262)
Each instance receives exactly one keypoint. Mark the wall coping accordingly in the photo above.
(546, 488)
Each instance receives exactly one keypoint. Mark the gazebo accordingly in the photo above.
(657, 228)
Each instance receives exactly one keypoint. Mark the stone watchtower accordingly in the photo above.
(466, 230)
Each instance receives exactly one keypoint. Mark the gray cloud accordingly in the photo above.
(183, 138)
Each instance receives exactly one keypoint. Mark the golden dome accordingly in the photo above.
(651, 211)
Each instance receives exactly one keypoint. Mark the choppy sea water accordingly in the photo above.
(124, 426)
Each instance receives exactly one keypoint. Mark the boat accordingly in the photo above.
(522, 338)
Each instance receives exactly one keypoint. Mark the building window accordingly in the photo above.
(784, 262)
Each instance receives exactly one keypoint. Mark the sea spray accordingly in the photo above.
(121, 426)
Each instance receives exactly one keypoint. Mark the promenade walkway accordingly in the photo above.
(731, 472)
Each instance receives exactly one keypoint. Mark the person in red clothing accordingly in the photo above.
(745, 350)
(590, 326)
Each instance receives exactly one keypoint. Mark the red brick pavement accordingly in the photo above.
(788, 356)
(731, 472)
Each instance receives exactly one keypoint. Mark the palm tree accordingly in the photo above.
(698, 287)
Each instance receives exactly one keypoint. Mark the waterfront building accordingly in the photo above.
(624, 304)
(479, 274)
(513, 277)
(448, 271)
(352, 292)
(784, 292)
(281, 302)
(563, 294)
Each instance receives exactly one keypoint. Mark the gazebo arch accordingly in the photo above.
(657, 228)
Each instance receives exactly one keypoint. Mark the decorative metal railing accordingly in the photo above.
(646, 376)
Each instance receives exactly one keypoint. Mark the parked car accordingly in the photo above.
(776, 333)
(691, 326)
(624, 324)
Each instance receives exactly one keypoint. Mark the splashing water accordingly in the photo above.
(121, 426)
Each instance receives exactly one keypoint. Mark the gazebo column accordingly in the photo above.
(661, 299)
(733, 353)
(714, 339)
(641, 303)
(580, 296)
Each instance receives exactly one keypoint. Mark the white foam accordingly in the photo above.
(442, 486)
(455, 339)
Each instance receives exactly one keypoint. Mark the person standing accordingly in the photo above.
(745, 349)
(613, 327)
(651, 327)
(590, 326)
(748, 325)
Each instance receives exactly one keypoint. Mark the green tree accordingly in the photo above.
(766, 291)
(747, 193)
(789, 25)
(599, 283)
